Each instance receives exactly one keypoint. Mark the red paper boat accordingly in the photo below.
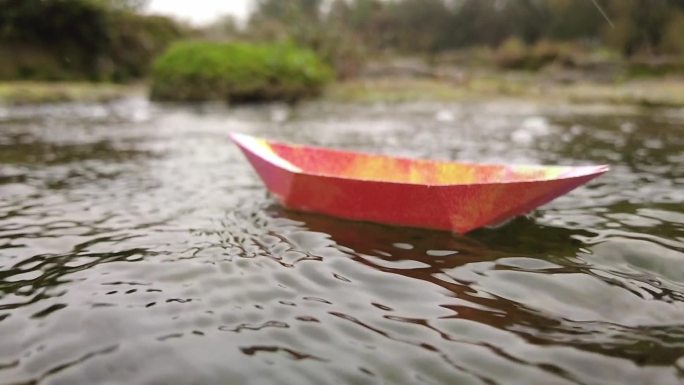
(408, 192)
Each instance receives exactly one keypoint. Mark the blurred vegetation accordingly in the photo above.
(448, 41)
(80, 39)
(238, 72)
(519, 34)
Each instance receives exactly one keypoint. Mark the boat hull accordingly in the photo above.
(459, 208)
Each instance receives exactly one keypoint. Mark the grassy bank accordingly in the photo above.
(21, 92)
(649, 92)
(238, 72)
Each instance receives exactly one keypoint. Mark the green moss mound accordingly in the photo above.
(237, 72)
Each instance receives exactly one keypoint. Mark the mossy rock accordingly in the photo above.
(238, 72)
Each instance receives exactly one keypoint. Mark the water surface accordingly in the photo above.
(137, 246)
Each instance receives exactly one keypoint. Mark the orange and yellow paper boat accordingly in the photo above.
(408, 192)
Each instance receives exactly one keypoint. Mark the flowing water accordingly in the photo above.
(137, 246)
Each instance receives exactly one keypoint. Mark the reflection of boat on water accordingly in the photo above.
(393, 243)
(522, 237)
(408, 192)
(454, 264)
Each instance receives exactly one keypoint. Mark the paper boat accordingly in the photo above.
(407, 192)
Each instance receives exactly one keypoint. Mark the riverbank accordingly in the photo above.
(22, 92)
(645, 92)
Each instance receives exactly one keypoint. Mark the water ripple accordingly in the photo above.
(137, 246)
